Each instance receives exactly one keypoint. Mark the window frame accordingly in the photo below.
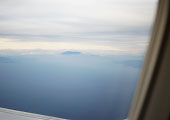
(151, 65)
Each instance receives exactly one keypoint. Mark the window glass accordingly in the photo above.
(73, 59)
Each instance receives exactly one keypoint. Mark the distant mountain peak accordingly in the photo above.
(71, 53)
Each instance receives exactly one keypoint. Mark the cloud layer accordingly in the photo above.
(115, 24)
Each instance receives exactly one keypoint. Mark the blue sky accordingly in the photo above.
(89, 26)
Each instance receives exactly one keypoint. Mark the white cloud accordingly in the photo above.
(120, 22)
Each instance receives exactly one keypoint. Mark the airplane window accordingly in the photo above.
(73, 59)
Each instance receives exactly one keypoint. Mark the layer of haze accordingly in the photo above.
(70, 85)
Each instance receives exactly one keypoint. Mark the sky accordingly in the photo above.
(76, 81)
(89, 26)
